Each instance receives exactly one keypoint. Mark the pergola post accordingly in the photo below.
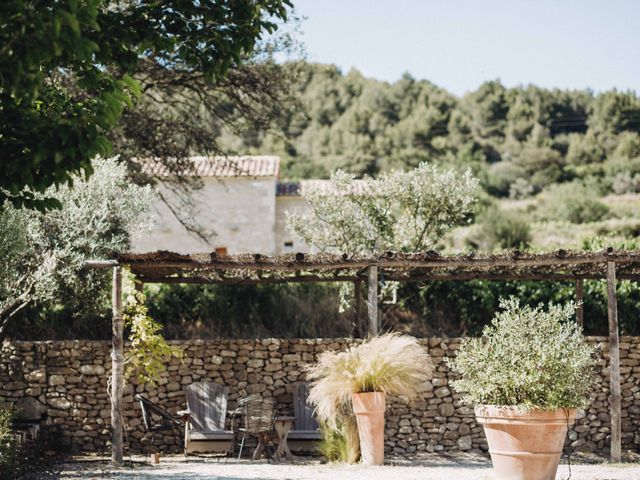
(356, 330)
(580, 302)
(372, 301)
(117, 368)
(614, 365)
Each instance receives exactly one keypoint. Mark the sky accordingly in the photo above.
(458, 44)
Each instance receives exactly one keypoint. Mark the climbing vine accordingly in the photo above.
(149, 352)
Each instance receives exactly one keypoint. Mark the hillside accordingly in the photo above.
(565, 163)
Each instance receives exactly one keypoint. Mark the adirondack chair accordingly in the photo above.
(206, 415)
(305, 430)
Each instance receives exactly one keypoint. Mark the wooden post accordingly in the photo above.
(580, 302)
(356, 331)
(614, 365)
(372, 301)
(117, 368)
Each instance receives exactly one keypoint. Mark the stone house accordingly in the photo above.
(241, 207)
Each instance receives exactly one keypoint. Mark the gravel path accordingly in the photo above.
(429, 468)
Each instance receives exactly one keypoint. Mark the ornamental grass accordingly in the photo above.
(395, 364)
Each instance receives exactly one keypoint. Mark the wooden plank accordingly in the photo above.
(391, 276)
(372, 301)
(117, 368)
(240, 281)
(614, 365)
(580, 302)
(101, 263)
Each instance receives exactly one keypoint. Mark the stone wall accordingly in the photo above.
(69, 380)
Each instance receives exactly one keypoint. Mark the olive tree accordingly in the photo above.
(405, 211)
(43, 253)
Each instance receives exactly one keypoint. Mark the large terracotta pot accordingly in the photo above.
(369, 410)
(524, 445)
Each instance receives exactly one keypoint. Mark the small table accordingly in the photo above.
(282, 425)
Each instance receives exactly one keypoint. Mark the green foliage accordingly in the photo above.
(9, 447)
(43, 253)
(504, 229)
(247, 311)
(67, 73)
(341, 444)
(147, 357)
(505, 135)
(575, 203)
(399, 211)
(528, 357)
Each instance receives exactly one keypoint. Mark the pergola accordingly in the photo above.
(255, 269)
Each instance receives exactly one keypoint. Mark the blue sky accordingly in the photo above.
(458, 44)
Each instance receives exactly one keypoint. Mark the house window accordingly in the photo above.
(221, 250)
(288, 246)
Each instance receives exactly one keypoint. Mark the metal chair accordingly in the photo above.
(257, 416)
(156, 419)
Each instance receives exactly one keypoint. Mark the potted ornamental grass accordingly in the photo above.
(526, 376)
(356, 382)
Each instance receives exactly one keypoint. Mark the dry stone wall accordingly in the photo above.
(69, 380)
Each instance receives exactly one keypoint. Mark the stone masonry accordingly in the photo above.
(70, 379)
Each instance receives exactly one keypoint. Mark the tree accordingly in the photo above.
(67, 73)
(400, 211)
(43, 253)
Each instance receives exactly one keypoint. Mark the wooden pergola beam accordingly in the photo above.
(391, 276)
(386, 261)
(245, 281)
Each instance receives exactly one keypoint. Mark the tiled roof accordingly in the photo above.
(238, 166)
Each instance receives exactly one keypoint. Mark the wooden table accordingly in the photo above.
(282, 426)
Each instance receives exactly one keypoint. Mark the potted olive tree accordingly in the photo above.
(356, 382)
(526, 376)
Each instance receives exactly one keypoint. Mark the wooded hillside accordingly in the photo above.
(518, 141)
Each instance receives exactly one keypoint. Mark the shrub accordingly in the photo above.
(9, 446)
(527, 357)
(575, 203)
(505, 229)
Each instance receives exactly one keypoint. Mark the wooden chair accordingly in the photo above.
(206, 416)
(305, 430)
(156, 419)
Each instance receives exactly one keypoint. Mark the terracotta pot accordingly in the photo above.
(369, 410)
(524, 445)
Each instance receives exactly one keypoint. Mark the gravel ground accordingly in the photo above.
(433, 467)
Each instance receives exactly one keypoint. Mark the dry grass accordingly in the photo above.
(390, 363)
